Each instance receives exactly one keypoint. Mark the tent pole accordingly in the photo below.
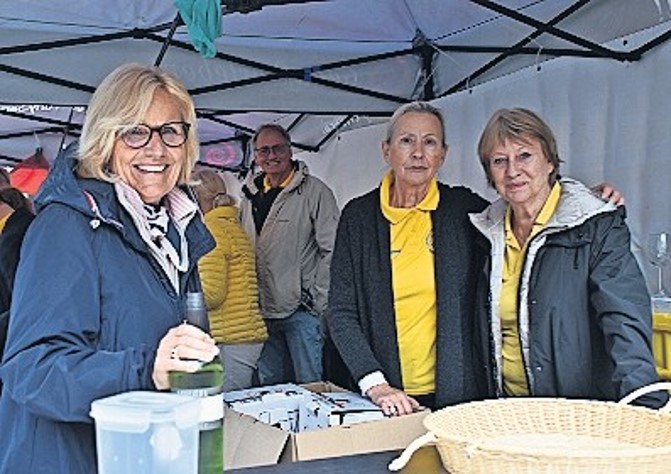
(173, 27)
(425, 52)
(66, 130)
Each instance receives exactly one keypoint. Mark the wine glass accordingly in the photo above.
(659, 254)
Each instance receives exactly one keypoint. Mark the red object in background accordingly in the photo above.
(28, 175)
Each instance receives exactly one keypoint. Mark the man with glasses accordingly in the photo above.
(292, 218)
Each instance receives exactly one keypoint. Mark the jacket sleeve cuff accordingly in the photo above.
(371, 380)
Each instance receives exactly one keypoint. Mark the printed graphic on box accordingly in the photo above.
(296, 409)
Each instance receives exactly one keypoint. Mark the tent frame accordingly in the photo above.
(422, 48)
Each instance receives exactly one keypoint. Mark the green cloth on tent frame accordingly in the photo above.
(203, 22)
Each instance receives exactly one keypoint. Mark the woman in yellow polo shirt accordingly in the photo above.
(564, 311)
(403, 275)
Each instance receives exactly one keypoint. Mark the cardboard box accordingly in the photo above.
(296, 409)
(250, 442)
(277, 405)
(347, 408)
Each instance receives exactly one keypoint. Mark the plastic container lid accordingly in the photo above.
(136, 411)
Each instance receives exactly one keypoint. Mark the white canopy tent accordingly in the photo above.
(318, 67)
(332, 71)
(611, 121)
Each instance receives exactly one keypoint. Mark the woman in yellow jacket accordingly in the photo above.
(228, 276)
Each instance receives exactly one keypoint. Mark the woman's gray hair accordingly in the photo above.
(279, 129)
(121, 101)
(517, 124)
(417, 107)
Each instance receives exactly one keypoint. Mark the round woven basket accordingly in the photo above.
(548, 435)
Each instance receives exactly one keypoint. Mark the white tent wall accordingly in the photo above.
(611, 119)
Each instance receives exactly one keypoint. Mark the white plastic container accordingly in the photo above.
(146, 432)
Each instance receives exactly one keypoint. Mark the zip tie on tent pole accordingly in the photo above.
(538, 54)
(38, 145)
(307, 73)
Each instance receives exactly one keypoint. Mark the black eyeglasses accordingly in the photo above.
(264, 151)
(173, 134)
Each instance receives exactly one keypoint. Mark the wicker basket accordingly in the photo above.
(549, 435)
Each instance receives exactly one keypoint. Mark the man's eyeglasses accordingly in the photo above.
(264, 151)
(173, 134)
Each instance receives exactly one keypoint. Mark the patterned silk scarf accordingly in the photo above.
(158, 220)
(153, 222)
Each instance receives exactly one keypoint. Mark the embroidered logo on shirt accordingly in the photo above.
(429, 242)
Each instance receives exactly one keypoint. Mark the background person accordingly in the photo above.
(564, 310)
(15, 217)
(292, 218)
(228, 276)
(16, 214)
(4, 178)
(100, 289)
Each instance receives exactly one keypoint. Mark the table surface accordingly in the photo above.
(424, 461)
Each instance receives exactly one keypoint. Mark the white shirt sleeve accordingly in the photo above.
(371, 380)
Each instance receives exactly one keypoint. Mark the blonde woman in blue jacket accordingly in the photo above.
(99, 294)
(229, 281)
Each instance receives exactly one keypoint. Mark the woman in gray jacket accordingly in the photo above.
(563, 309)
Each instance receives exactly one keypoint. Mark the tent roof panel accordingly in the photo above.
(313, 65)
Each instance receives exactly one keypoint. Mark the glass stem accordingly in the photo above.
(660, 283)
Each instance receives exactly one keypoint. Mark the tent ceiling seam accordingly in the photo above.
(137, 33)
(549, 27)
(541, 28)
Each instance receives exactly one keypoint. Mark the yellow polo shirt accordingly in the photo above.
(3, 221)
(414, 288)
(514, 379)
(283, 184)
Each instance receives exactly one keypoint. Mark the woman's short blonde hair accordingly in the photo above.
(122, 100)
(210, 188)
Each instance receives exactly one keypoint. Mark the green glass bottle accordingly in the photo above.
(206, 383)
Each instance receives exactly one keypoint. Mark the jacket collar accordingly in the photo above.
(300, 173)
(61, 184)
(577, 204)
(97, 200)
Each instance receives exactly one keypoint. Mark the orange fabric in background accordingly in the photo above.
(28, 175)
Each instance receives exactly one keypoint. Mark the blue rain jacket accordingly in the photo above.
(89, 309)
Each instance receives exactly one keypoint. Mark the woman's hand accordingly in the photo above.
(183, 348)
(394, 402)
(608, 193)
